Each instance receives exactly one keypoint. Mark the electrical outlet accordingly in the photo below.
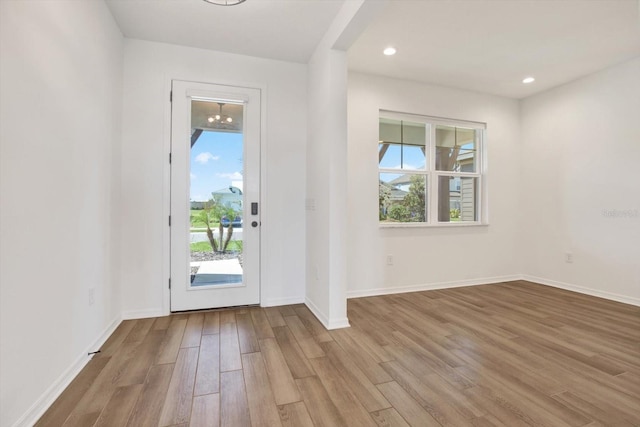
(389, 259)
(92, 296)
(568, 257)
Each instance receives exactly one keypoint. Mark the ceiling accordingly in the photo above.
(287, 30)
(491, 45)
(202, 111)
(487, 46)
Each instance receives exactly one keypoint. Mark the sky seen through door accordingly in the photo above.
(216, 162)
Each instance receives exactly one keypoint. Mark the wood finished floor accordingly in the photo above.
(510, 354)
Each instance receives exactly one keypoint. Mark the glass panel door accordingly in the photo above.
(215, 195)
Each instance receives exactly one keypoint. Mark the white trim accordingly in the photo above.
(439, 173)
(489, 280)
(166, 200)
(316, 312)
(275, 302)
(582, 290)
(143, 314)
(328, 323)
(218, 296)
(432, 196)
(338, 323)
(432, 174)
(431, 286)
(404, 171)
(264, 218)
(166, 208)
(444, 121)
(206, 95)
(427, 225)
(483, 209)
(44, 402)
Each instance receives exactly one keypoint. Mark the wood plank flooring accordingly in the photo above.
(509, 354)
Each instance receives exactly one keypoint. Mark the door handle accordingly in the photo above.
(254, 224)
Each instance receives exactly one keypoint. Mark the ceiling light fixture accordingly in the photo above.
(225, 2)
(528, 80)
(220, 120)
(389, 51)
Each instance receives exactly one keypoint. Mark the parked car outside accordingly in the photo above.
(236, 223)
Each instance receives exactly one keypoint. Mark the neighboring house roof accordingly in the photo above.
(235, 188)
(228, 197)
(224, 191)
(401, 180)
(396, 193)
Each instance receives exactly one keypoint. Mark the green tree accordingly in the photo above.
(384, 198)
(208, 217)
(399, 212)
(415, 199)
(211, 214)
(230, 213)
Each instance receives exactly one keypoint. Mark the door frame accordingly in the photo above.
(166, 184)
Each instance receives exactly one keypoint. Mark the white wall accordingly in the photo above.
(60, 109)
(326, 225)
(326, 174)
(149, 68)
(581, 152)
(317, 294)
(427, 258)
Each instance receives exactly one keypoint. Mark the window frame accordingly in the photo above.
(432, 175)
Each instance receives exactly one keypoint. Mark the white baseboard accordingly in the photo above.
(430, 286)
(486, 281)
(582, 290)
(325, 320)
(41, 405)
(338, 323)
(317, 312)
(142, 314)
(273, 302)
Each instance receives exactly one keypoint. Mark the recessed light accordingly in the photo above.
(528, 80)
(389, 51)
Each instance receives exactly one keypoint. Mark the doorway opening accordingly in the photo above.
(215, 194)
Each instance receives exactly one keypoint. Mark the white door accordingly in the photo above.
(215, 194)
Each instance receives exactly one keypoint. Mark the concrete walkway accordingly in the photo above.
(216, 273)
(225, 266)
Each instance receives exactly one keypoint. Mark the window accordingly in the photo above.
(430, 170)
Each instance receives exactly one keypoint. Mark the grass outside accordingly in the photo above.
(199, 225)
(234, 245)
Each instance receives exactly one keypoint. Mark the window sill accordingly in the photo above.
(425, 225)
